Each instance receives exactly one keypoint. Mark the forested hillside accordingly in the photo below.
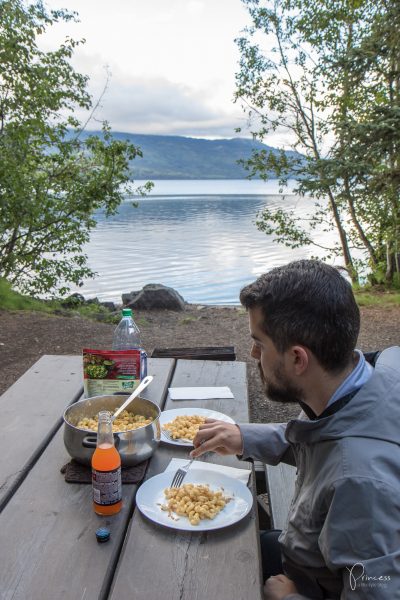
(177, 157)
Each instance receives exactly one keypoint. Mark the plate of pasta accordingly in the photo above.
(180, 425)
(206, 500)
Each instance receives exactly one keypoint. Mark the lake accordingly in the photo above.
(198, 237)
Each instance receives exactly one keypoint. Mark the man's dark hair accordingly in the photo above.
(309, 303)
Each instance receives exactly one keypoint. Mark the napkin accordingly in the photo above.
(199, 393)
(241, 474)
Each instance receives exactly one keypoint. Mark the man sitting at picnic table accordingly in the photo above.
(342, 538)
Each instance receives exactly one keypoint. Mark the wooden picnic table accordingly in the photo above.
(48, 548)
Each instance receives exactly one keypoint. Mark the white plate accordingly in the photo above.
(151, 494)
(169, 415)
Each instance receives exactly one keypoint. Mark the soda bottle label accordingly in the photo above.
(107, 487)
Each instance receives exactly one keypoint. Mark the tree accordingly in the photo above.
(51, 180)
(371, 137)
(332, 69)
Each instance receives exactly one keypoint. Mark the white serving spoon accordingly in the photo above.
(143, 384)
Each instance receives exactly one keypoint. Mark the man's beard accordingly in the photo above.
(281, 390)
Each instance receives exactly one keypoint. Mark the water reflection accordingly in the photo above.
(205, 246)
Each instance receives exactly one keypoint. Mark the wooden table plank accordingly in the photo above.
(162, 369)
(160, 563)
(49, 549)
(193, 373)
(32, 412)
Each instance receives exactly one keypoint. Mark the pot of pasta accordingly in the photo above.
(136, 430)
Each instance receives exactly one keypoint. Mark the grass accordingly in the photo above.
(97, 312)
(142, 322)
(188, 320)
(381, 298)
(12, 300)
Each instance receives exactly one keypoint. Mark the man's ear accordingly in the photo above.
(299, 359)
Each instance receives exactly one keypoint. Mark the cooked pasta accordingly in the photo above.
(195, 502)
(184, 427)
(124, 422)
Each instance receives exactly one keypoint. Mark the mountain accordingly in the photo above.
(177, 157)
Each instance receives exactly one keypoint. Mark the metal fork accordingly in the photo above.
(181, 474)
(169, 437)
(167, 434)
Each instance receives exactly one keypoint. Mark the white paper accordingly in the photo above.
(241, 474)
(200, 393)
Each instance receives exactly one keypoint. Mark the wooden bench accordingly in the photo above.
(280, 486)
(205, 353)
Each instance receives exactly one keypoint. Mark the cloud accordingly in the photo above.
(160, 106)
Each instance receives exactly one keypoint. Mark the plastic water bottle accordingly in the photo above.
(126, 334)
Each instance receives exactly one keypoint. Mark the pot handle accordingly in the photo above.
(90, 441)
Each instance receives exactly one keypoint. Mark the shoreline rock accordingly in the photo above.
(155, 296)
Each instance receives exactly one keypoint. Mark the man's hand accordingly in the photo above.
(278, 587)
(217, 436)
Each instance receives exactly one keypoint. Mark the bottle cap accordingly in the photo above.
(102, 534)
(126, 312)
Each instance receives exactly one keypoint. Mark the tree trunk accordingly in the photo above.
(348, 261)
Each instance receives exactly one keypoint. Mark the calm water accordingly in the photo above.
(198, 237)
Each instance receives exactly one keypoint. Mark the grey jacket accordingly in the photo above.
(342, 538)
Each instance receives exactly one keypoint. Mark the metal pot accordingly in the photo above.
(134, 446)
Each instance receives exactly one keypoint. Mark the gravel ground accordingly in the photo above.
(26, 336)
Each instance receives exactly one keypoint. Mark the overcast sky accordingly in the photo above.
(172, 63)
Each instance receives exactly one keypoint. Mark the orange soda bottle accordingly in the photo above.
(106, 470)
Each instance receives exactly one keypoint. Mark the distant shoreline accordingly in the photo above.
(215, 187)
(183, 157)
(184, 178)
